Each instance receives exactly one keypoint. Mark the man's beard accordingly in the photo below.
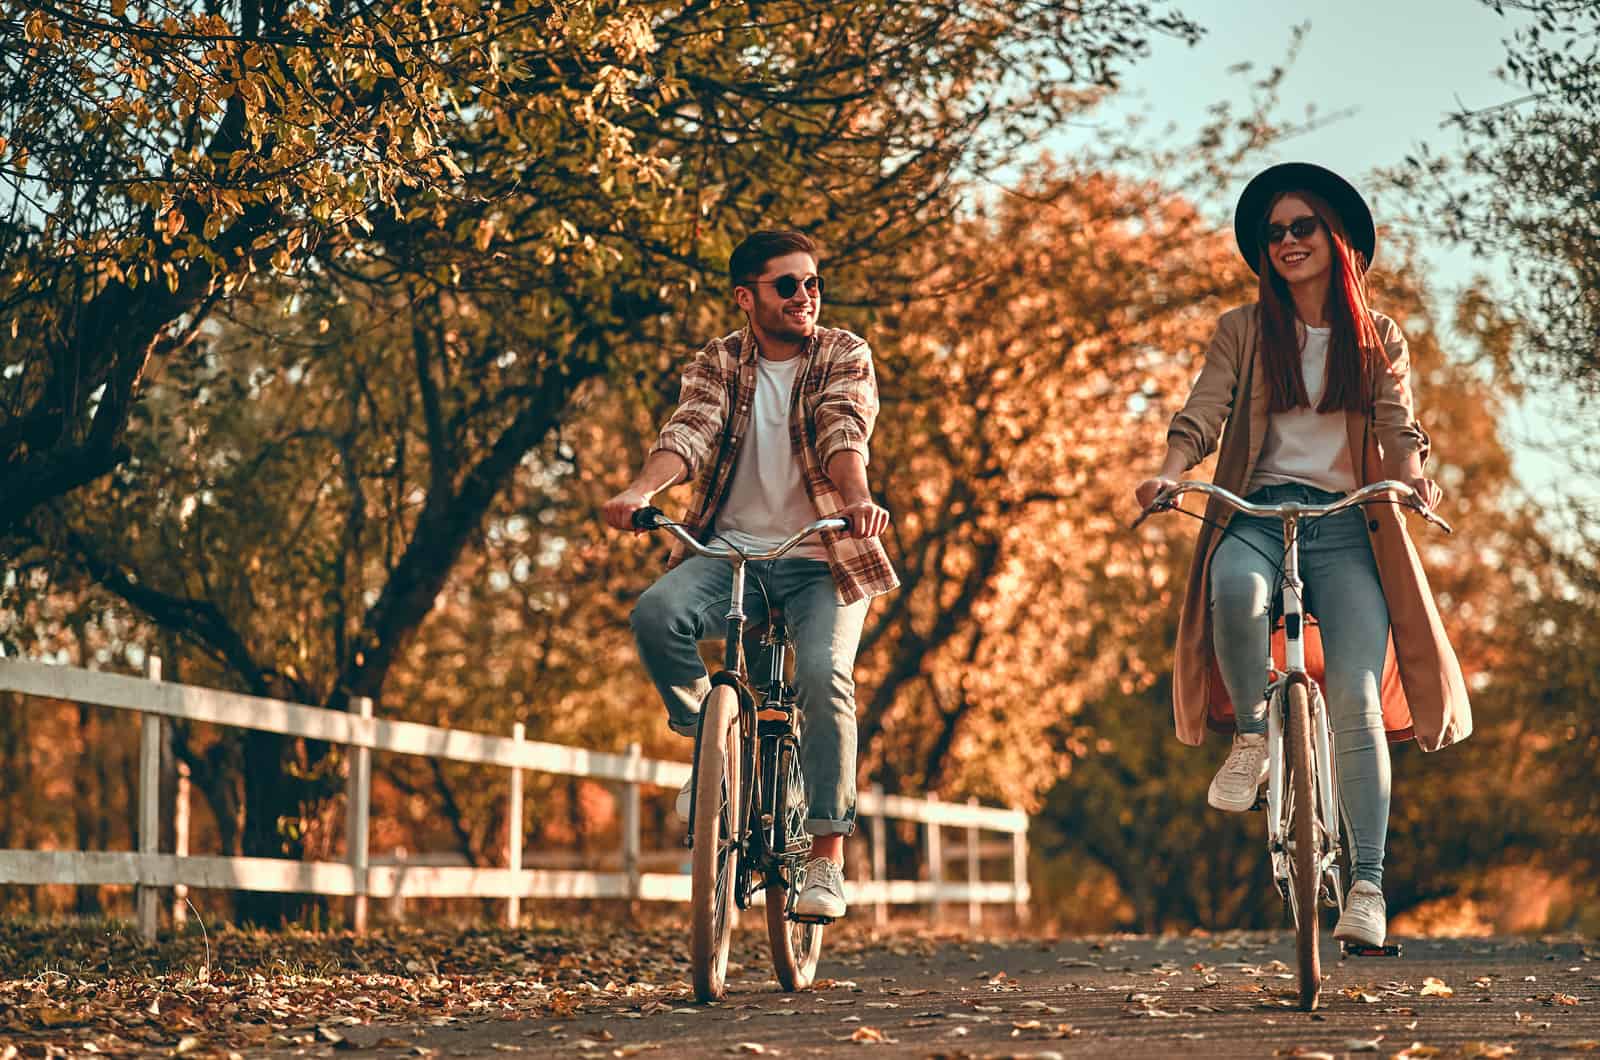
(780, 327)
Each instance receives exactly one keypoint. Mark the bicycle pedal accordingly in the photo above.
(798, 919)
(1357, 949)
(1259, 804)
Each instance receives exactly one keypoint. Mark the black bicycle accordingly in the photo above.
(747, 804)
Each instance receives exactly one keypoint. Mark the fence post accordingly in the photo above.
(397, 900)
(974, 907)
(935, 862)
(180, 839)
(1019, 874)
(630, 823)
(514, 830)
(358, 806)
(149, 805)
(878, 833)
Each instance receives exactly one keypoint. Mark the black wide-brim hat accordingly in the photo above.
(1250, 216)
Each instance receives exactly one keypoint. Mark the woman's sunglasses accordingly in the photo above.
(786, 286)
(1302, 227)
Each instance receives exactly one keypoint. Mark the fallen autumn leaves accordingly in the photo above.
(96, 989)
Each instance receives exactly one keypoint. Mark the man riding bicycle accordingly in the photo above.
(772, 426)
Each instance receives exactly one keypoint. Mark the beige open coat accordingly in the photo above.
(1423, 693)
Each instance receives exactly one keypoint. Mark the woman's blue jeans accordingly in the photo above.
(1343, 591)
(689, 604)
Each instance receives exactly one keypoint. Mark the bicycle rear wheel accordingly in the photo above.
(1304, 833)
(796, 946)
(716, 838)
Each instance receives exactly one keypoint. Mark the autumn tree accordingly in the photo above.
(326, 441)
(157, 157)
(1541, 145)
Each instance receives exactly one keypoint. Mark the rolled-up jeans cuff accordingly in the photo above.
(823, 826)
(685, 728)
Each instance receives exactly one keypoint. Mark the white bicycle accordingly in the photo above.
(1302, 803)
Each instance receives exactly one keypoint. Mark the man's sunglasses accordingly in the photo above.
(786, 286)
(1302, 227)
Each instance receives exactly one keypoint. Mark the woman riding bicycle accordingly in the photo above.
(1312, 385)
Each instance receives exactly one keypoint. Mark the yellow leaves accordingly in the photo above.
(1435, 987)
(40, 30)
(483, 235)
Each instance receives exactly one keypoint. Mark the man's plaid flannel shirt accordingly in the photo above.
(836, 394)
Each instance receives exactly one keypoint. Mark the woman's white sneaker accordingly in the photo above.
(1365, 920)
(1242, 774)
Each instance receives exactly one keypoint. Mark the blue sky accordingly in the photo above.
(1401, 66)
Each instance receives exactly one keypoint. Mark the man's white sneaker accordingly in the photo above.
(682, 805)
(1242, 774)
(822, 892)
(1365, 918)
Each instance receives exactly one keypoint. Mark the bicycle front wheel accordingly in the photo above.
(796, 946)
(1304, 833)
(716, 840)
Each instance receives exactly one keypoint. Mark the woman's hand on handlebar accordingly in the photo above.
(1151, 488)
(1427, 491)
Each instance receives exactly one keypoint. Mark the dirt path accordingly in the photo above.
(1122, 997)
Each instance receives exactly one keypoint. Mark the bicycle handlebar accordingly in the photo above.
(1167, 501)
(652, 518)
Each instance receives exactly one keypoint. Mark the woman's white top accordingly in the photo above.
(1303, 445)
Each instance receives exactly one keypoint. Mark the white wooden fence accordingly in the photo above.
(359, 878)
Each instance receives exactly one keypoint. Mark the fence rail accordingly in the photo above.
(360, 877)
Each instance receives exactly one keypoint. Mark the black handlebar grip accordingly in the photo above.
(648, 518)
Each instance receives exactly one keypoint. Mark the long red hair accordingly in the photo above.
(1355, 354)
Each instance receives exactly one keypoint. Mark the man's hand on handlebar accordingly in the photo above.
(866, 518)
(618, 511)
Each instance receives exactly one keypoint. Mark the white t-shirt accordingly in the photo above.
(767, 500)
(1303, 445)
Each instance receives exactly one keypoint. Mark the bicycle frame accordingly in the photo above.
(752, 856)
(1294, 668)
(1292, 516)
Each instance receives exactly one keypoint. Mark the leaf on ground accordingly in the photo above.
(1362, 1045)
(871, 1036)
(1435, 987)
(1418, 1051)
(1559, 999)
(1487, 1050)
(1304, 1052)
(753, 1047)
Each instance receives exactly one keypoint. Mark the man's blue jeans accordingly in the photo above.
(1343, 591)
(689, 604)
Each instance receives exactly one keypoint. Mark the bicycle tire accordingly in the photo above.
(716, 832)
(796, 946)
(1305, 882)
